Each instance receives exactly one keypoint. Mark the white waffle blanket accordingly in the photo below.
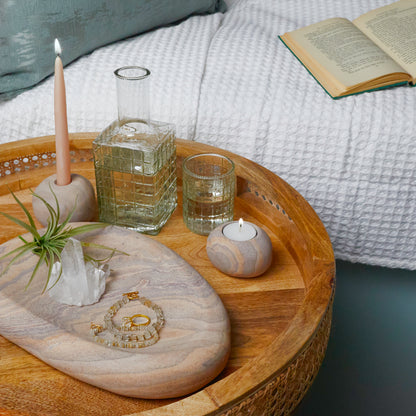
(227, 80)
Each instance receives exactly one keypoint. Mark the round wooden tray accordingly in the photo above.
(280, 321)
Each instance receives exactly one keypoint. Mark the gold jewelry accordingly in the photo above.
(128, 323)
(130, 334)
(131, 295)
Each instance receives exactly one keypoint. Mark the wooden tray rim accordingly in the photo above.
(320, 284)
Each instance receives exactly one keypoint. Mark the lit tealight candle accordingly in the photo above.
(240, 249)
(239, 231)
(63, 160)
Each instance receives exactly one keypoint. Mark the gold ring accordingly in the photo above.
(139, 315)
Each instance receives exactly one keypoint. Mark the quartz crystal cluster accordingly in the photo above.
(81, 282)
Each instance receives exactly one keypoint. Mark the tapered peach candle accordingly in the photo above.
(72, 192)
(63, 160)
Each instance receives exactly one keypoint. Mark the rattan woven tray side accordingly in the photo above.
(270, 371)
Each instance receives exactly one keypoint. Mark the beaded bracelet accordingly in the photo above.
(130, 334)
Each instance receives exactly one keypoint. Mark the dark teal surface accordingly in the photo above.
(370, 365)
(28, 29)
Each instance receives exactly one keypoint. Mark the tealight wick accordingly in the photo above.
(58, 49)
(240, 223)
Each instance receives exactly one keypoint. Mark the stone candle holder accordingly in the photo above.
(248, 258)
(78, 192)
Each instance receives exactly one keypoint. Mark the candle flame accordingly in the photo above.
(240, 223)
(58, 49)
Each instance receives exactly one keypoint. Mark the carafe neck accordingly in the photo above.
(133, 85)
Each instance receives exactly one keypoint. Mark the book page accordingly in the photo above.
(393, 28)
(344, 51)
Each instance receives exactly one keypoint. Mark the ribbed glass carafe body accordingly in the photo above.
(135, 160)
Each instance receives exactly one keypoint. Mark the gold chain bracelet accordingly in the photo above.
(130, 334)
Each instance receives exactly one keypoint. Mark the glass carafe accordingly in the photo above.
(135, 160)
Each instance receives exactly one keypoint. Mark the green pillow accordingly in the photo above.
(28, 29)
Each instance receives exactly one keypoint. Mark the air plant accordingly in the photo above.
(49, 245)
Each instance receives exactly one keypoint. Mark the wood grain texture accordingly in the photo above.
(194, 344)
(273, 317)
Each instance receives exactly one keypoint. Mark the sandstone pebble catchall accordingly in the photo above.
(240, 249)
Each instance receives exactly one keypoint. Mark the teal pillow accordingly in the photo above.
(28, 29)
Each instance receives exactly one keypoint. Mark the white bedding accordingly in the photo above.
(227, 80)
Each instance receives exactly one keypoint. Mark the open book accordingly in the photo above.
(376, 50)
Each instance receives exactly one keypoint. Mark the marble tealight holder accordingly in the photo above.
(78, 192)
(249, 258)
